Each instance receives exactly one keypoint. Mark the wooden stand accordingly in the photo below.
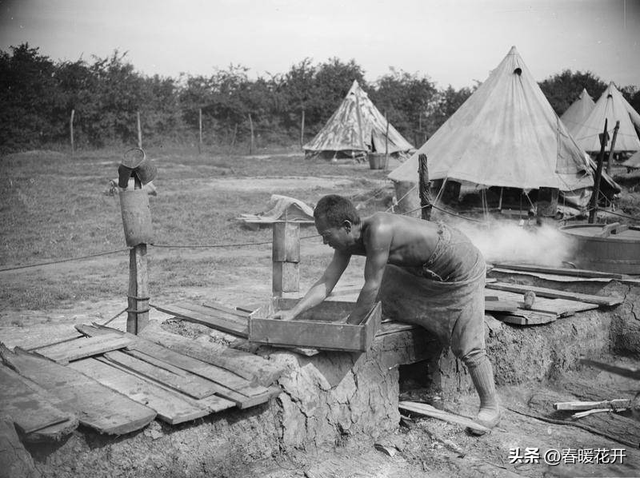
(138, 297)
(286, 258)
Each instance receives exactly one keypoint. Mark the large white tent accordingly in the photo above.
(506, 134)
(578, 112)
(612, 107)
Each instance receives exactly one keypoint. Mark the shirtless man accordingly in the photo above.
(423, 272)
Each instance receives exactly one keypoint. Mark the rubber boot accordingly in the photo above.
(482, 377)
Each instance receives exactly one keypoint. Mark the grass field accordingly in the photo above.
(54, 208)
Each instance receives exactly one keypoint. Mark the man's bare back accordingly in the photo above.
(411, 241)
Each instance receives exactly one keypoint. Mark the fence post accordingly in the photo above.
(73, 113)
(251, 127)
(302, 130)
(199, 130)
(139, 130)
(285, 257)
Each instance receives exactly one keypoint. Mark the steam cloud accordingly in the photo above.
(508, 242)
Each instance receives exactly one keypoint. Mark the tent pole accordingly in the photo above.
(386, 143)
(359, 117)
(613, 143)
(424, 184)
(500, 202)
(593, 203)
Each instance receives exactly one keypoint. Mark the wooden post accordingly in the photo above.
(139, 131)
(613, 144)
(593, 203)
(73, 148)
(138, 297)
(425, 196)
(359, 118)
(302, 130)
(233, 138)
(199, 130)
(251, 127)
(285, 257)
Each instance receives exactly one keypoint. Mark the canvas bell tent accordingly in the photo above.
(578, 112)
(505, 136)
(355, 129)
(612, 107)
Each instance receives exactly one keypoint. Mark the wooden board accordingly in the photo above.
(317, 333)
(527, 318)
(171, 407)
(188, 384)
(560, 307)
(213, 403)
(495, 304)
(214, 318)
(30, 337)
(578, 273)
(429, 411)
(249, 366)
(29, 409)
(96, 406)
(553, 293)
(83, 347)
(227, 384)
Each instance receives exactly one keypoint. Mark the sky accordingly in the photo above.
(454, 42)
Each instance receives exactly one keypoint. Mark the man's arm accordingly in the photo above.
(321, 289)
(377, 243)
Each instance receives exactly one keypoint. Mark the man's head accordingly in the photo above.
(335, 217)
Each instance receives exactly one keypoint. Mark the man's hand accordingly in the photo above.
(284, 315)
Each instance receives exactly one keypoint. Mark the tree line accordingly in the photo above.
(102, 99)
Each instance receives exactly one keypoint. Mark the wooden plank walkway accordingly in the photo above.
(187, 383)
(96, 406)
(171, 407)
(225, 383)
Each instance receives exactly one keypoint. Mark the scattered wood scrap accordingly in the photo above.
(622, 371)
(586, 413)
(96, 406)
(616, 404)
(553, 293)
(429, 411)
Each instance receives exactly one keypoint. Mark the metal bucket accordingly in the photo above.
(606, 248)
(377, 161)
(136, 217)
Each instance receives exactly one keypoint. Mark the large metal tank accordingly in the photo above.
(605, 247)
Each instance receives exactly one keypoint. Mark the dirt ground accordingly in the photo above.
(420, 448)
